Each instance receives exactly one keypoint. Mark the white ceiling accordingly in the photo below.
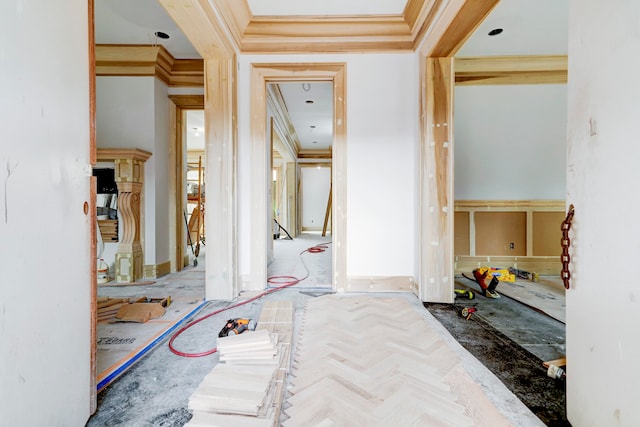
(313, 122)
(326, 7)
(530, 27)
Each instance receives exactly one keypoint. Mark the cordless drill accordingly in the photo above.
(234, 327)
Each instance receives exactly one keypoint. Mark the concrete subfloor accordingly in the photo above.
(156, 390)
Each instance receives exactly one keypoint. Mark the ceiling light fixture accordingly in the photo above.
(495, 31)
(312, 126)
(161, 35)
(309, 101)
(314, 142)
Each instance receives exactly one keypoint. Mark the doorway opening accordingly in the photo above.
(300, 116)
(301, 78)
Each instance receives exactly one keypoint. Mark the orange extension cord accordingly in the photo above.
(282, 281)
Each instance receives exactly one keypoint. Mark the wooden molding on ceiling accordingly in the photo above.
(188, 102)
(456, 21)
(306, 153)
(497, 70)
(282, 117)
(200, 23)
(321, 34)
(148, 60)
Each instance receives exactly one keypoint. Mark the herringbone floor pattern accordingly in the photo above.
(371, 361)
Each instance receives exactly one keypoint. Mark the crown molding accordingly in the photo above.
(325, 34)
(148, 60)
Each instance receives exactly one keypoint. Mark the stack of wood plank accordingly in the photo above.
(108, 229)
(246, 388)
(249, 348)
(108, 307)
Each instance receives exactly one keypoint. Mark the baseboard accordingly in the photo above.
(153, 271)
(546, 266)
(381, 284)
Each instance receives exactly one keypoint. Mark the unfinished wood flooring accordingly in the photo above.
(374, 361)
(246, 388)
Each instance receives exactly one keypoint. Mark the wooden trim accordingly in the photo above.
(281, 34)
(457, 20)
(198, 20)
(93, 279)
(148, 60)
(221, 145)
(308, 153)
(104, 154)
(436, 180)
(153, 271)
(182, 103)
(283, 119)
(188, 102)
(262, 74)
(503, 205)
(496, 70)
(381, 284)
(93, 298)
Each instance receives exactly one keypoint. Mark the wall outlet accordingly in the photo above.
(512, 246)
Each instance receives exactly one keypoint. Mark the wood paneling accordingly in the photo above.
(547, 233)
(496, 231)
(461, 233)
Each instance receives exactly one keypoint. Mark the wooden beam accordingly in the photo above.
(199, 22)
(457, 20)
(436, 180)
(493, 70)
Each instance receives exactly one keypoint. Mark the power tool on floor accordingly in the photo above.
(235, 327)
(489, 290)
(463, 293)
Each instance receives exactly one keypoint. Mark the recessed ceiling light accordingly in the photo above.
(161, 35)
(314, 142)
(309, 101)
(495, 31)
(312, 126)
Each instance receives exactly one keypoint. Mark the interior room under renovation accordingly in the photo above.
(336, 213)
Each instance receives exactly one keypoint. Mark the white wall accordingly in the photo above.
(382, 118)
(44, 294)
(603, 348)
(510, 142)
(315, 183)
(133, 112)
(160, 161)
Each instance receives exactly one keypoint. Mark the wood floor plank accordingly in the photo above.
(370, 361)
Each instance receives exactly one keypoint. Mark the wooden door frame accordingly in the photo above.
(181, 103)
(261, 74)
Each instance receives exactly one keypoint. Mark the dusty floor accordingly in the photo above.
(155, 391)
(512, 340)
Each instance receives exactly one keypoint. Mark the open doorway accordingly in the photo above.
(194, 184)
(300, 116)
(262, 175)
